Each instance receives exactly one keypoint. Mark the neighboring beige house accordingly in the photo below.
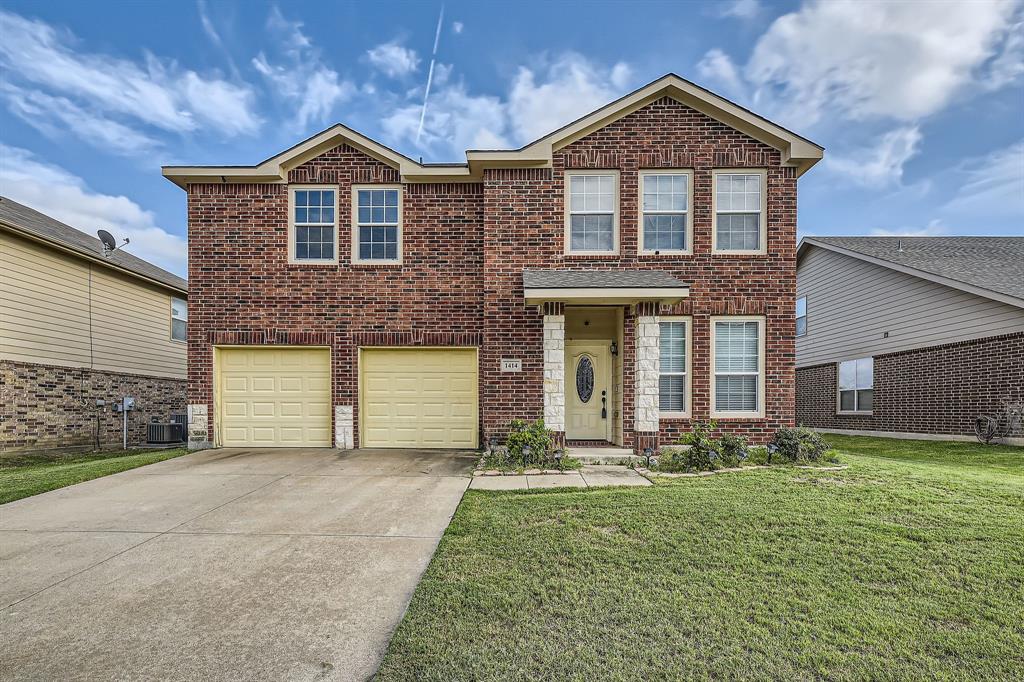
(78, 327)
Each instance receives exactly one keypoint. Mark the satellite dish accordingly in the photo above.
(109, 244)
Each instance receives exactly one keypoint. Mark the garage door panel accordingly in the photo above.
(418, 397)
(275, 396)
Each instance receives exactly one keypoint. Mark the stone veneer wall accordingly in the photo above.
(50, 407)
(648, 366)
(554, 375)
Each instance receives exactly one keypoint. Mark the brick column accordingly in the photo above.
(554, 374)
(645, 378)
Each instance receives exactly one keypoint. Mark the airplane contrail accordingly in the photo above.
(430, 74)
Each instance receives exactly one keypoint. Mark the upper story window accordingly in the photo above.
(673, 380)
(737, 345)
(740, 208)
(378, 224)
(179, 319)
(801, 316)
(665, 212)
(592, 221)
(313, 226)
(856, 385)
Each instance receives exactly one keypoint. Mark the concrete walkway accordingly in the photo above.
(588, 477)
(224, 564)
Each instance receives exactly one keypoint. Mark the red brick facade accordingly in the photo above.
(938, 390)
(465, 248)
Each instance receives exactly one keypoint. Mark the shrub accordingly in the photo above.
(703, 453)
(798, 445)
(733, 449)
(534, 435)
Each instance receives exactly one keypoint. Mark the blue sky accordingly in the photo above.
(920, 105)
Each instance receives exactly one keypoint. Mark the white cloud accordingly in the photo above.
(206, 21)
(742, 9)
(991, 186)
(568, 87)
(934, 228)
(158, 93)
(55, 116)
(455, 121)
(302, 77)
(457, 26)
(855, 60)
(717, 67)
(540, 100)
(393, 60)
(881, 165)
(66, 197)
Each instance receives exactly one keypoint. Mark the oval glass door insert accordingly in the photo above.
(585, 379)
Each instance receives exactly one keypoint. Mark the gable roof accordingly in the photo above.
(797, 151)
(992, 267)
(40, 227)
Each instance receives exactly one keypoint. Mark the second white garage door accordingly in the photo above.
(418, 397)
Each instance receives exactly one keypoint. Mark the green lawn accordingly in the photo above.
(22, 476)
(907, 565)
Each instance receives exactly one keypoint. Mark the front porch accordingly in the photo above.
(601, 357)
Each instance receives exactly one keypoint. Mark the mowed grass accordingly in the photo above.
(907, 565)
(23, 476)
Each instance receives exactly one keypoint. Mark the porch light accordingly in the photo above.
(615, 349)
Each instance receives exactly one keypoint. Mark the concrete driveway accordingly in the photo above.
(224, 564)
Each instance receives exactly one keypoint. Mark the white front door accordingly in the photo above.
(588, 399)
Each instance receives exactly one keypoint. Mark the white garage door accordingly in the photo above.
(418, 397)
(274, 397)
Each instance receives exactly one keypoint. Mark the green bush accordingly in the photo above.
(798, 445)
(532, 434)
(733, 449)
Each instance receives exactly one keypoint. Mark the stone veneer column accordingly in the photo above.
(198, 427)
(648, 366)
(344, 427)
(554, 375)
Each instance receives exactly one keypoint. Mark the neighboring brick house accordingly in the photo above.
(345, 294)
(78, 326)
(908, 336)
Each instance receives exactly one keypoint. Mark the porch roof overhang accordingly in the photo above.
(602, 287)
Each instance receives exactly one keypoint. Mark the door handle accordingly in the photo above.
(604, 407)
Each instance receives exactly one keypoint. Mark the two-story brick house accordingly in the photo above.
(619, 277)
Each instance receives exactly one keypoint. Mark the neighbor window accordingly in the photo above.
(801, 316)
(179, 319)
(739, 212)
(738, 376)
(592, 223)
(377, 224)
(664, 215)
(314, 224)
(672, 376)
(856, 385)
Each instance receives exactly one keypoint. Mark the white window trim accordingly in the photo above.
(566, 235)
(355, 227)
(687, 388)
(797, 334)
(863, 413)
(171, 318)
(762, 365)
(292, 232)
(762, 223)
(688, 251)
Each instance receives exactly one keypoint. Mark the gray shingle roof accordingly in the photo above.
(992, 263)
(32, 222)
(600, 279)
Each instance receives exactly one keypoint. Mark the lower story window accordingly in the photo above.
(672, 376)
(737, 367)
(856, 385)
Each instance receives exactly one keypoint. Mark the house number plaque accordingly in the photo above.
(511, 365)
